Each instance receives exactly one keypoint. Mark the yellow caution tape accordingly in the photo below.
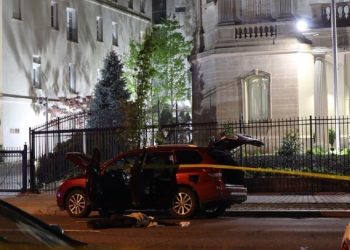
(271, 170)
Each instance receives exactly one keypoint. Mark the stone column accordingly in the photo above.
(347, 83)
(227, 11)
(321, 102)
(286, 10)
(256, 10)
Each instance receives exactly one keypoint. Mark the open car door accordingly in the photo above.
(159, 179)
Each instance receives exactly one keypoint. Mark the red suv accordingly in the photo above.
(160, 181)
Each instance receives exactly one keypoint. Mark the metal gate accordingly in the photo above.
(13, 170)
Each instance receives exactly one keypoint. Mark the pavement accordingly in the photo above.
(274, 205)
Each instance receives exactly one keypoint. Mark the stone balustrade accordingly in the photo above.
(255, 31)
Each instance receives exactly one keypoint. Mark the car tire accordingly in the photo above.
(76, 204)
(214, 210)
(184, 204)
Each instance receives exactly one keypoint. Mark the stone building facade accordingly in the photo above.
(54, 49)
(252, 62)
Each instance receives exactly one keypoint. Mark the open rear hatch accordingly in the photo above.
(79, 159)
(229, 143)
(221, 152)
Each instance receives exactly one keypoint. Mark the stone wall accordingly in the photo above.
(220, 81)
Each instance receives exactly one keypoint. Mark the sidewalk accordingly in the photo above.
(320, 205)
(328, 205)
(38, 204)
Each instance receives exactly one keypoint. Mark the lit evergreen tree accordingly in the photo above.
(110, 95)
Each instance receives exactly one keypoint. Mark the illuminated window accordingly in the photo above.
(72, 78)
(99, 75)
(256, 96)
(99, 28)
(114, 34)
(142, 35)
(36, 74)
(72, 27)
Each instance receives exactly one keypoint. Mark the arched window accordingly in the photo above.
(256, 96)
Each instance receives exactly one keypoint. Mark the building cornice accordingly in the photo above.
(122, 9)
(266, 49)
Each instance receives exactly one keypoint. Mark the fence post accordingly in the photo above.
(58, 128)
(24, 169)
(311, 144)
(32, 159)
(240, 131)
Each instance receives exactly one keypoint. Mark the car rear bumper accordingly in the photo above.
(235, 194)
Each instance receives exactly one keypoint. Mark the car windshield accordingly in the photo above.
(20, 231)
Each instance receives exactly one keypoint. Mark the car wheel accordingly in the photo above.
(77, 205)
(184, 204)
(214, 210)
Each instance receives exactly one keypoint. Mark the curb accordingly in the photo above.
(45, 204)
(290, 213)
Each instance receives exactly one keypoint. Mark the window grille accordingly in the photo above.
(99, 28)
(16, 9)
(54, 15)
(142, 6)
(72, 27)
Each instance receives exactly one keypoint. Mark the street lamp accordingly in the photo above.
(335, 71)
(45, 102)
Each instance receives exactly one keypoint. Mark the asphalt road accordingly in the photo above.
(220, 233)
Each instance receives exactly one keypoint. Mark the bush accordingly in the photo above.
(345, 151)
(290, 144)
(331, 137)
(318, 150)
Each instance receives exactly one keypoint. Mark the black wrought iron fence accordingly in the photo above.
(312, 144)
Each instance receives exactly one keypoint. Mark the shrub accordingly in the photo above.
(290, 144)
(318, 150)
(345, 151)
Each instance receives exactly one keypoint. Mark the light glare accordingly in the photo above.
(302, 25)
